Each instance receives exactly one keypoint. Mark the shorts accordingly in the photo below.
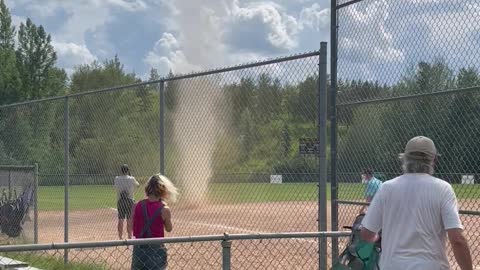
(149, 257)
(124, 207)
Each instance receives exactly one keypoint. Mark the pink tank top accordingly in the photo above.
(156, 229)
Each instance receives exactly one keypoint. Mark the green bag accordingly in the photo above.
(369, 254)
(365, 257)
(359, 254)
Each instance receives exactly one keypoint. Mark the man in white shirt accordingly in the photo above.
(125, 185)
(415, 213)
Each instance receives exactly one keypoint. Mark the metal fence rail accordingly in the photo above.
(235, 251)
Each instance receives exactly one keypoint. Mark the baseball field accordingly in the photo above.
(233, 208)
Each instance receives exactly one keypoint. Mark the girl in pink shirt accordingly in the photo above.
(151, 218)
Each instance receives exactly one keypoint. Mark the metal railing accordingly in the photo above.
(238, 251)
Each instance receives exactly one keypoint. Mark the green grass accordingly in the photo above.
(95, 197)
(245, 193)
(47, 262)
(51, 198)
(355, 191)
(467, 191)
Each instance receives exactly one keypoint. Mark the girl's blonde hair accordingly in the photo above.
(160, 186)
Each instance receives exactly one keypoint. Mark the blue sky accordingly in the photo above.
(182, 35)
(379, 39)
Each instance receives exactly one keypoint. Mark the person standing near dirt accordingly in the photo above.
(125, 185)
(373, 185)
(416, 212)
(151, 218)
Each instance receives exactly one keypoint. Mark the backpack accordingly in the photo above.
(359, 254)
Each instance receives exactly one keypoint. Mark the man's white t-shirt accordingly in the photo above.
(125, 183)
(413, 212)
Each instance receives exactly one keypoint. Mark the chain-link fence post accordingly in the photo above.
(66, 123)
(162, 126)
(35, 206)
(9, 185)
(333, 126)
(226, 253)
(322, 141)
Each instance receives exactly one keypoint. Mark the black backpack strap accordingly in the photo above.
(149, 221)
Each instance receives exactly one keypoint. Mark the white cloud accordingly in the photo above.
(131, 6)
(379, 40)
(315, 17)
(167, 55)
(47, 8)
(279, 28)
(246, 57)
(82, 17)
(199, 29)
(200, 34)
(195, 37)
(170, 5)
(71, 54)
(168, 41)
(369, 22)
(387, 54)
(78, 54)
(222, 32)
(453, 35)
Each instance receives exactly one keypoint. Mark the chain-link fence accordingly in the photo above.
(229, 139)
(407, 68)
(242, 251)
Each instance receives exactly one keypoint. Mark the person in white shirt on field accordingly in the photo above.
(415, 212)
(125, 185)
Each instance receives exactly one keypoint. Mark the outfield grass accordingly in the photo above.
(95, 197)
(80, 197)
(245, 193)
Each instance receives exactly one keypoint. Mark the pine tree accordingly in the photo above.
(10, 82)
(35, 57)
(7, 31)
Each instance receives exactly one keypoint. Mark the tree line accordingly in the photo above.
(377, 132)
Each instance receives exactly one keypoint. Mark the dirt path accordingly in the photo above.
(101, 224)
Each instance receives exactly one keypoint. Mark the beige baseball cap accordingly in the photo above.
(421, 144)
